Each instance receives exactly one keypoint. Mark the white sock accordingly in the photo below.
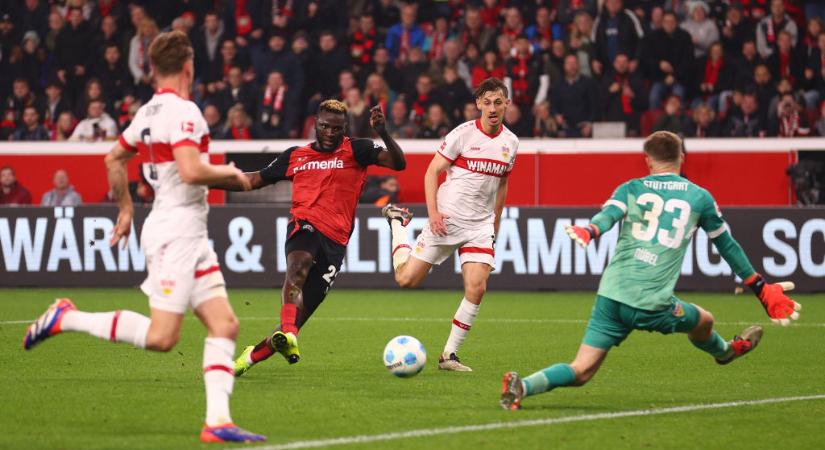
(116, 326)
(462, 321)
(400, 247)
(219, 377)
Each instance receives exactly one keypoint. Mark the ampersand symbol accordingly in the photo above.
(239, 257)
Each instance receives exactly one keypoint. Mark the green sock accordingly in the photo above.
(716, 346)
(548, 379)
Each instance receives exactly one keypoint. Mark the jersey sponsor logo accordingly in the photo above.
(475, 149)
(308, 227)
(187, 127)
(334, 163)
(484, 166)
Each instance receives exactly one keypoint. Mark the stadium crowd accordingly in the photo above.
(78, 69)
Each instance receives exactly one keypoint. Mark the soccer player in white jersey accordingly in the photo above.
(464, 212)
(183, 269)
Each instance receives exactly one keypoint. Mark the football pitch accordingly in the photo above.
(77, 392)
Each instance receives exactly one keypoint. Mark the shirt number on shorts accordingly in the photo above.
(329, 277)
(646, 232)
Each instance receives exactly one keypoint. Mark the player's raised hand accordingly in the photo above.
(122, 228)
(780, 308)
(437, 225)
(582, 235)
(377, 119)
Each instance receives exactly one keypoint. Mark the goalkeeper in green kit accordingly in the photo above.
(658, 214)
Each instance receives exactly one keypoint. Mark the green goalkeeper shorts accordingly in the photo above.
(611, 321)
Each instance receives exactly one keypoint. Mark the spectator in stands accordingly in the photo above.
(746, 64)
(276, 116)
(702, 123)
(400, 126)
(819, 126)
(55, 103)
(206, 43)
(474, 31)
(490, 66)
(623, 96)
(346, 81)
(745, 120)
(239, 125)
(574, 101)
(667, 56)
(9, 35)
(73, 51)
(31, 130)
(767, 32)
(376, 92)
(63, 193)
(521, 124)
(110, 34)
(64, 126)
(492, 12)
(21, 97)
(56, 25)
(420, 101)
(328, 64)
(786, 63)
(616, 30)
(415, 65)
(513, 25)
(381, 65)
(380, 190)
(523, 74)
(544, 125)
(736, 30)
(808, 43)
(470, 112)
(580, 41)
(139, 58)
(236, 92)
(34, 15)
(568, 10)
(115, 79)
(30, 64)
(673, 118)
(12, 193)
(358, 114)
(212, 115)
(435, 124)
(453, 94)
(92, 92)
(405, 34)
(764, 89)
(790, 121)
(363, 41)
(97, 126)
(277, 56)
(451, 57)
(815, 69)
(543, 28)
(702, 29)
(436, 38)
(716, 78)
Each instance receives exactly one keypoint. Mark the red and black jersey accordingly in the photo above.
(325, 184)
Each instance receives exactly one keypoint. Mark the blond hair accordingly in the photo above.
(333, 106)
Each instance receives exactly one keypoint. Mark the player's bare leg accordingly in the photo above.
(578, 373)
(284, 339)
(705, 338)
(218, 351)
(475, 285)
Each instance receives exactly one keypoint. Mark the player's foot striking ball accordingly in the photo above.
(327, 178)
(658, 214)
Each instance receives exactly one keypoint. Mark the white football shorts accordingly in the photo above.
(473, 245)
(183, 273)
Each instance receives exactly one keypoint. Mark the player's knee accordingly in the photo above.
(475, 289)
(583, 375)
(705, 319)
(406, 281)
(226, 328)
(297, 272)
(161, 342)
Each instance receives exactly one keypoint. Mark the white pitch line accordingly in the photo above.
(446, 319)
(368, 438)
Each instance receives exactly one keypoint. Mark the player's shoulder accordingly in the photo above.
(363, 144)
(508, 134)
(463, 129)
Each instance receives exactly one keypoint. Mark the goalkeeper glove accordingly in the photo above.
(582, 235)
(780, 308)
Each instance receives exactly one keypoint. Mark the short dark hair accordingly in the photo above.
(664, 146)
(169, 52)
(491, 84)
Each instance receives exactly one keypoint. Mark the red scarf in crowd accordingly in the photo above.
(437, 45)
(243, 21)
(627, 102)
(518, 74)
(240, 134)
(418, 106)
(785, 66)
(712, 70)
(275, 101)
(363, 44)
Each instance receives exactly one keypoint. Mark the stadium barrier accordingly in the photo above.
(557, 172)
(65, 246)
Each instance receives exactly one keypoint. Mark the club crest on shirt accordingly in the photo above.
(505, 152)
(167, 286)
(678, 311)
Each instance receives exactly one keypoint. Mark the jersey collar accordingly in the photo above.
(167, 91)
(491, 136)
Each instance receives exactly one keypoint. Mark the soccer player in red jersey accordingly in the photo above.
(328, 176)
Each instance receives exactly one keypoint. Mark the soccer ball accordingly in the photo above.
(404, 356)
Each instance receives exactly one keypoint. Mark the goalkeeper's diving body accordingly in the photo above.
(659, 215)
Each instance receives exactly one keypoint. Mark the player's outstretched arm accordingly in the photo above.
(393, 158)
(193, 171)
(612, 212)
(233, 184)
(780, 308)
(115, 162)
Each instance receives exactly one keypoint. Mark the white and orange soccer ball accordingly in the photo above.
(404, 356)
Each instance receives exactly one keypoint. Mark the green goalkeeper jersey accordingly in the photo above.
(660, 214)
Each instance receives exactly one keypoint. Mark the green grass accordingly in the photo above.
(76, 392)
